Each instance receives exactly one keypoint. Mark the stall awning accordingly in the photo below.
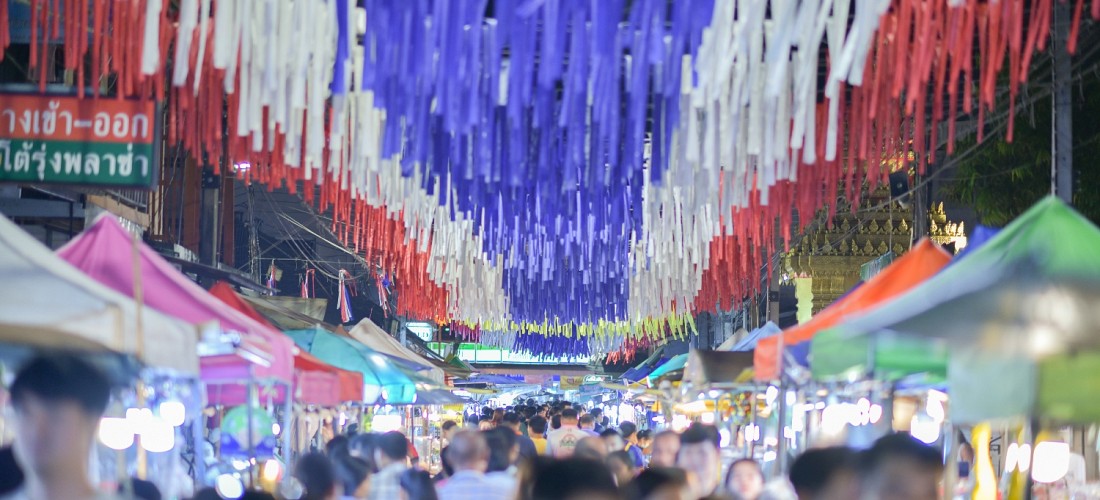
(39, 290)
(925, 259)
(346, 385)
(372, 336)
(104, 251)
(715, 368)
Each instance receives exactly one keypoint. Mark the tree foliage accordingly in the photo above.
(1001, 180)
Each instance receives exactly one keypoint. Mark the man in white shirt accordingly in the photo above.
(469, 454)
(561, 442)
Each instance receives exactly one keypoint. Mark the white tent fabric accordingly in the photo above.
(372, 336)
(40, 290)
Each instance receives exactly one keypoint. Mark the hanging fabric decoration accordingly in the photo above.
(559, 176)
(309, 284)
(273, 275)
(343, 299)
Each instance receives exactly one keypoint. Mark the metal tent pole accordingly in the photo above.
(1061, 166)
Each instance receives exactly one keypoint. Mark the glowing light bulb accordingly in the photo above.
(229, 486)
(172, 412)
(115, 433)
(158, 436)
(1051, 461)
(272, 470)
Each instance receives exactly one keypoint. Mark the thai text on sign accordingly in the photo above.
(66, 140)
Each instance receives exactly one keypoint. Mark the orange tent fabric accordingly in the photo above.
(925, 259)
(350, 383)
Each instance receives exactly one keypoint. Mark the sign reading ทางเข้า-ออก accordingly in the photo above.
(65, 140)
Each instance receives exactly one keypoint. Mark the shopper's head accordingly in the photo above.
(825, 474)
(416, 484)
(568, 479)
(449, 427)
(536, 426)
(353, 474)
(659, 483)
(503, 448)
(745, 479)
(391, 447)
(591, 447)
(555, 422)
(317, 476)
(645, 438)
(468, 451)
(666, 445)
(622, 466)
(587, 422)
(58, 401)
(511, 420)
(362, 446)
(569, 417)
(699, 456)
(613, 439)
(629, 430)
(898, 467)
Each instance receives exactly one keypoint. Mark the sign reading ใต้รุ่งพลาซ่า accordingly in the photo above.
(66, 140)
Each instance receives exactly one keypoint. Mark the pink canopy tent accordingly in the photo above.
(104, 251)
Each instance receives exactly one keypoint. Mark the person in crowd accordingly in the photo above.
(587, 424)
(825, 474)
(474, 422)
(567, 479)
(745, 479)
(315, 472)
(966, 457)
(448, 429)
(560, 443)
(351, 430)
(391, 455)
(666, 445)
(543, 411)
(362, 447)
(353, 476)
(536, 428)
(597, 420)
(416, 484)
(338, 445)
(498, 417)
(503, 450)
(899, 467)
(527, 448)
(555, 422)
(11, 476)
(614, 440)
(57, 402)
(503, 456)
(469, 454)
(699, 456)
(659, 483)
(645, 440)
(604, 424)
(592, 448)
(622, 466)
(629, 431)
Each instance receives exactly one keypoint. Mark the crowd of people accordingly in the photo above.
(527, 452)
(559, 452)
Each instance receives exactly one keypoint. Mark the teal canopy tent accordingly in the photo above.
(383, 380)
(676, 363)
